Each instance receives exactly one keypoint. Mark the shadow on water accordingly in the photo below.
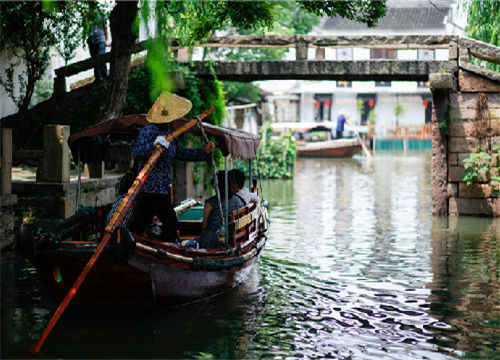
(355, 267)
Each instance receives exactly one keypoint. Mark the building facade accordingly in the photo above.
(390, 106)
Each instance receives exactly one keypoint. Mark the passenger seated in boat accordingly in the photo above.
(212, 220)
(239, 189)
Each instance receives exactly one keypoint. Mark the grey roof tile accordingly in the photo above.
(398, 18)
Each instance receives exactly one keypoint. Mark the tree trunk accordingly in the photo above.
(30, 88)
(121, 21)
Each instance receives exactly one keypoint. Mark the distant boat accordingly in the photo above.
(314, 139)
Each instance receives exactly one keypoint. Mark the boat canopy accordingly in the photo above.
(112, 140)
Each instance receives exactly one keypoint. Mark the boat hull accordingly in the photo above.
(172, 285)
(146, 282)
(329, 149)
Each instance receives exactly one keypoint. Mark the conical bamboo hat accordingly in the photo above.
(168, 107)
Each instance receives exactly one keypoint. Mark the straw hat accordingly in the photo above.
(168, 107)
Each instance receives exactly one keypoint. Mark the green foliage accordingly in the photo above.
(359, 106)
(242, 90)
(73, 28)
(275, 157)
(212, 94)
(138, 93)
(29, 29)
(202, 93)
(43, 91)
(444, 125)
(479, 168)
(372, 115)
(483, 23)
(495, 171)
(398, 109)
(159, 65)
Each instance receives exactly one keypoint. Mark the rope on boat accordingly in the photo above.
(222, 231)
(204, 264)
(162, 254)
(226, 264)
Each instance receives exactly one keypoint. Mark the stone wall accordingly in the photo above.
(7, 219)
(470, 110)
(46, 203)
(7, 199)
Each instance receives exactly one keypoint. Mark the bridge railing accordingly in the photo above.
(301, 43)
(469, 48)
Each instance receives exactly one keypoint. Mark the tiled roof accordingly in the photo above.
(396, 18)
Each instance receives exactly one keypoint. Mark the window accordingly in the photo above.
(382, 53)
(366, 103)
(322, 107)
(425, 54)
(344, 54)
(423, 84)
(427, 103)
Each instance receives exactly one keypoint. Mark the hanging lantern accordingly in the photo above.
(426, 103)
(371, 103)
(328, 103)
(317, 103)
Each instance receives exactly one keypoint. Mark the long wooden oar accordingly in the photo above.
(363, 145)
(115, 222)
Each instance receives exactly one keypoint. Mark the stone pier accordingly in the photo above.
(466, 120)
(7, 199)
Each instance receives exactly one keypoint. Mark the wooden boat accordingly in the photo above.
(311, 145)
(137, 270)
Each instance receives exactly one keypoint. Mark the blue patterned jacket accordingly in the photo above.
(159, 179)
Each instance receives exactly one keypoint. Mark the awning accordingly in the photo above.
(112, 140)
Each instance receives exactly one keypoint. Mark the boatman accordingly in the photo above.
(341, 119)
(154, 198)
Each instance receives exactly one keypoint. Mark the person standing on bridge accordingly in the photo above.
(98, 39)
(341, 119)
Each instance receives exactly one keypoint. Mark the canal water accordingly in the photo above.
(355, 268)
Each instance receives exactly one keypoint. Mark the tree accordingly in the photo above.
(124, 36)
(30, 29)
(483, 23)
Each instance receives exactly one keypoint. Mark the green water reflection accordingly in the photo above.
(355, 267)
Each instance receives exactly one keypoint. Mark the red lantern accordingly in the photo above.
(317, 104)
(328, 103)
(371, 103)
(426, 103)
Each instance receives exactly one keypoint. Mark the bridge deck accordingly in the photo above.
(378, 70)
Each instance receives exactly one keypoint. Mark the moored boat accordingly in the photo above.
(138, 270)
(309, 144)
